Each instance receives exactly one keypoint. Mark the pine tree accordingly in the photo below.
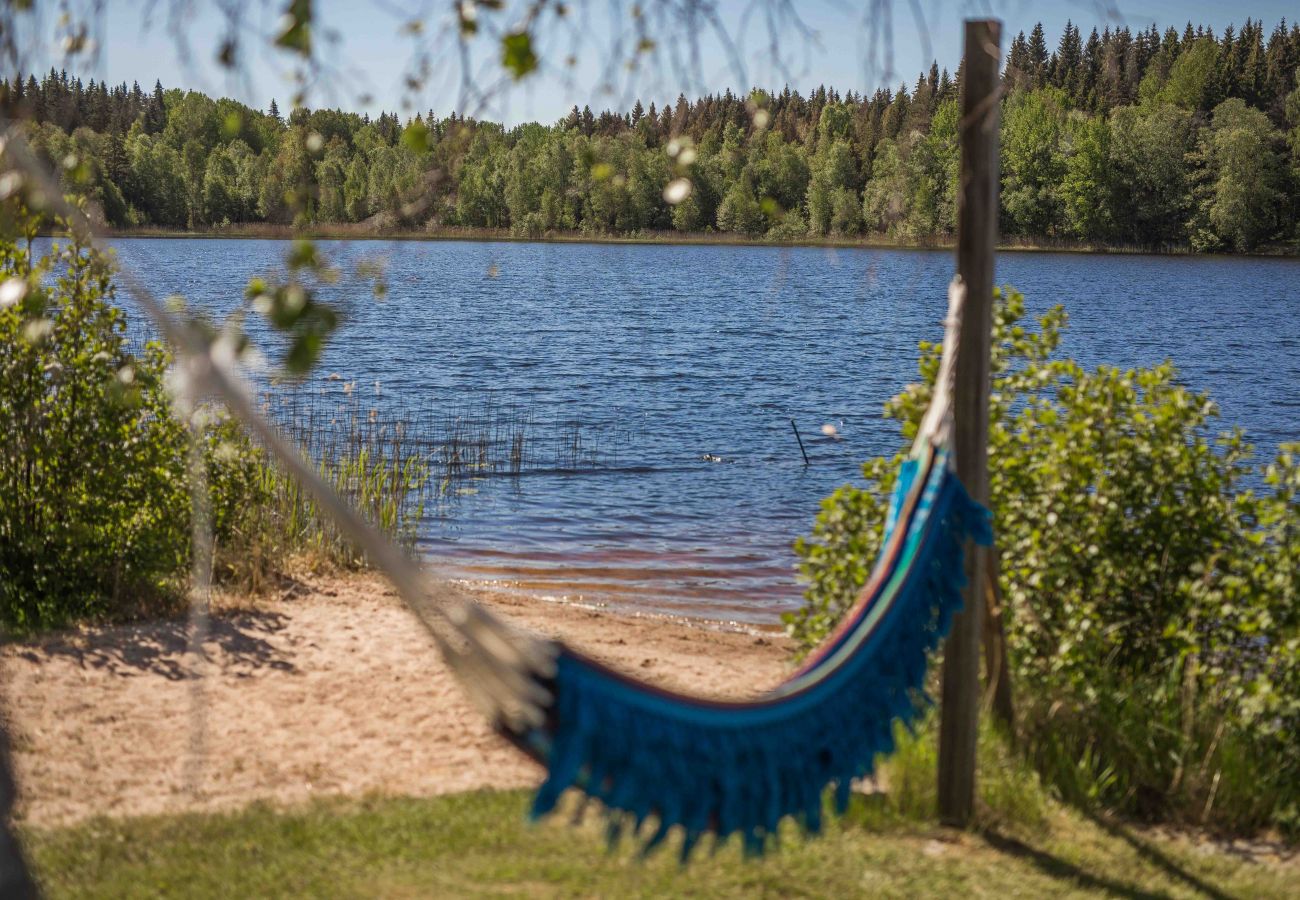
(16, 103)
(1251, 81)
(1279, 72)
(1135, 62)
(273, 111)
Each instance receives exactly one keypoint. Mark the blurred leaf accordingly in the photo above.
(231, 126)
(295, 27)
(302, 254)
(228, 54)
(416, 138)
(517, 53)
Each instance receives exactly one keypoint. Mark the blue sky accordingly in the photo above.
(375, 55)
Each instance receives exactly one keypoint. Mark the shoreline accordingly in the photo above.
(326, 688)
(359, 232)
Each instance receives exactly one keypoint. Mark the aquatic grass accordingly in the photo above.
(393, 459)
(458, 438)
(270, 520)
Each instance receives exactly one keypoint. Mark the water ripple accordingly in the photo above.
(693, 351)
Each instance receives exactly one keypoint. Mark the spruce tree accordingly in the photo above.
(1091, 72)
(1069, 60)
(155, 117)
(1036, 64)
(1018, 61)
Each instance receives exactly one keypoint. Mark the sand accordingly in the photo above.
(329, 688)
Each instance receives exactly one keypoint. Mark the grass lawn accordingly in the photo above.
(481, 845)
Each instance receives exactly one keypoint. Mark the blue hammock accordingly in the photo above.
(741, 767)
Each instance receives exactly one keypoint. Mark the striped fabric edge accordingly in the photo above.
(914, 538)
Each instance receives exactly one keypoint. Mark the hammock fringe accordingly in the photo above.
(727, 769)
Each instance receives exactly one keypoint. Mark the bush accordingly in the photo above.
(1152, 616)
(94, 512)
(95, 492)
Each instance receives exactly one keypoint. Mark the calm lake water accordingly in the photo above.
(638, 362)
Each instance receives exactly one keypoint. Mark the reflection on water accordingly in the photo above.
(630, 369)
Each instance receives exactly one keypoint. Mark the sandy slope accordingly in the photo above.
(330, 688)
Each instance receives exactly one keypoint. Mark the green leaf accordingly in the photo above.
(416, 138)
(517, 53)
(295, 28)
(303, 353)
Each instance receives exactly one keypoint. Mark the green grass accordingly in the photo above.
(480, 845)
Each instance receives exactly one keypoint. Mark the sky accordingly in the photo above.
(371, 53)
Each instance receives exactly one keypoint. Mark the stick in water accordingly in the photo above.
(800, 440)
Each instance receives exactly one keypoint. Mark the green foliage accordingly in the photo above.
(739, 210)
(833, 206)
(1151, 597)
(1108, 140)
(517, 54)
(94, 513)
(263, 519)
(1242, 185)
(295, 27)
(1087, 189)
(885, 198)
(1191, 79)
(95, 484)
(1149, 158)
(1032, 164)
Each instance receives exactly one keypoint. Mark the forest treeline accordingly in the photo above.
(1152, 139)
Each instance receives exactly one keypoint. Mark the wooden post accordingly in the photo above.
(977, 222)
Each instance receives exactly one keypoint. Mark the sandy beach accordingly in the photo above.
(329, 687)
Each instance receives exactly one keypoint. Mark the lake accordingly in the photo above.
(636, 368)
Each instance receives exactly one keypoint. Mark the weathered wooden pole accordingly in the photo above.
(977, 222)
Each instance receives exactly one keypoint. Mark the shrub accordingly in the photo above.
(93, 505)
(95, 491)
(1152, 621)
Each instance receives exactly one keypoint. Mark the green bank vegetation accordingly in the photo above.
(1146, 139)
(1151, 581)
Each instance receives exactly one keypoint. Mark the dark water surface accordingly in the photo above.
(653, 357)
